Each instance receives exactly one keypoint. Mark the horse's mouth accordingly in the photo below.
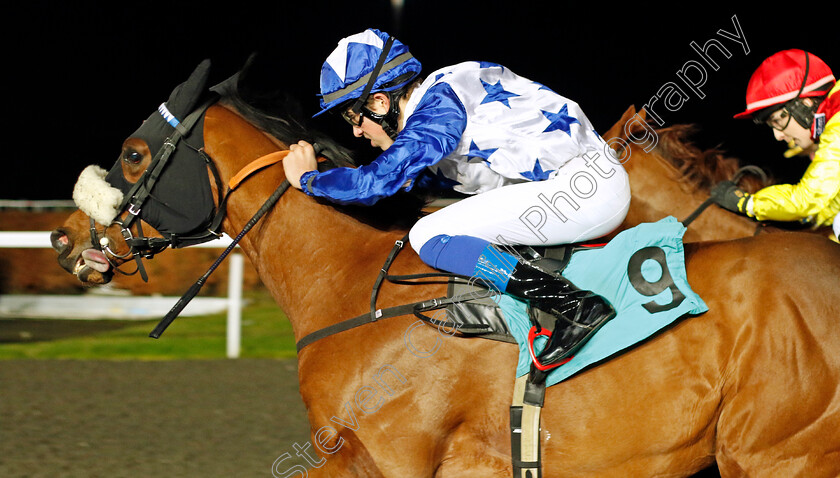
(94, 259)
(91, 262)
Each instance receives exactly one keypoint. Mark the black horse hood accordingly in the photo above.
(181, 201)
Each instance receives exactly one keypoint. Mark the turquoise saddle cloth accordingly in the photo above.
(641, 272)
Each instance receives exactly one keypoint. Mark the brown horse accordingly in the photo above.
(752, 383)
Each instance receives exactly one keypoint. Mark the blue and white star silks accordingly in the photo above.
(434, 178)
(342, 55)
(481, 126)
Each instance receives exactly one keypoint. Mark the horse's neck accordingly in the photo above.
(318, 263)
(657, 192)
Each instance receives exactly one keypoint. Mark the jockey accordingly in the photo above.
(794, 85)
(534, 168)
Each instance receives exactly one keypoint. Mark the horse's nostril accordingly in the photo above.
(59, 240)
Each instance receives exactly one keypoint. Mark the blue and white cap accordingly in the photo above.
(349, 67)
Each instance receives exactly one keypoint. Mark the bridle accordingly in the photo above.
(140, 247)
(144, 247)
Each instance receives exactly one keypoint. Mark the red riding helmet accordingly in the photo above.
(779, 79)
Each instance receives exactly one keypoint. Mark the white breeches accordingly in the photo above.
(585, 200)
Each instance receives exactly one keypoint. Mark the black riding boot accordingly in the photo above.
(579, 313)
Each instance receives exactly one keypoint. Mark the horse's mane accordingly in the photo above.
(697, 168)
(276, 111)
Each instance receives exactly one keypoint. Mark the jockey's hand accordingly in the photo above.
(728, 195)
(301, 159)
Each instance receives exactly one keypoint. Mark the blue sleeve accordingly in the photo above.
(432, 132)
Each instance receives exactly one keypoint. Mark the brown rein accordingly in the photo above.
(256, 165)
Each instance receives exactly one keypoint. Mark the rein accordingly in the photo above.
(709, 201)
(417, 308)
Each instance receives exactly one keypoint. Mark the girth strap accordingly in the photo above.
(526, 456)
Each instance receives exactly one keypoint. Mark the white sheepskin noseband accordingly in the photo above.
(95, 197)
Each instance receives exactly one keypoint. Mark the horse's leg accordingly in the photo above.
(728, 465)
(477, 398)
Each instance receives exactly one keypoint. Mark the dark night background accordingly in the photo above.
(81, 76)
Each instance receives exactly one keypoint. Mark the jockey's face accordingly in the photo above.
(364, 127)
(787, 130)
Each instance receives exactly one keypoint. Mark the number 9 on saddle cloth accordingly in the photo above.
(641, 272)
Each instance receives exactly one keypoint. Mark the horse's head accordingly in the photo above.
(157, 194)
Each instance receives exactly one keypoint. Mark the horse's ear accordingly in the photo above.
(617, 129)
(186, 96)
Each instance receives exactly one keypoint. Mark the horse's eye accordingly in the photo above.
(132, 157)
